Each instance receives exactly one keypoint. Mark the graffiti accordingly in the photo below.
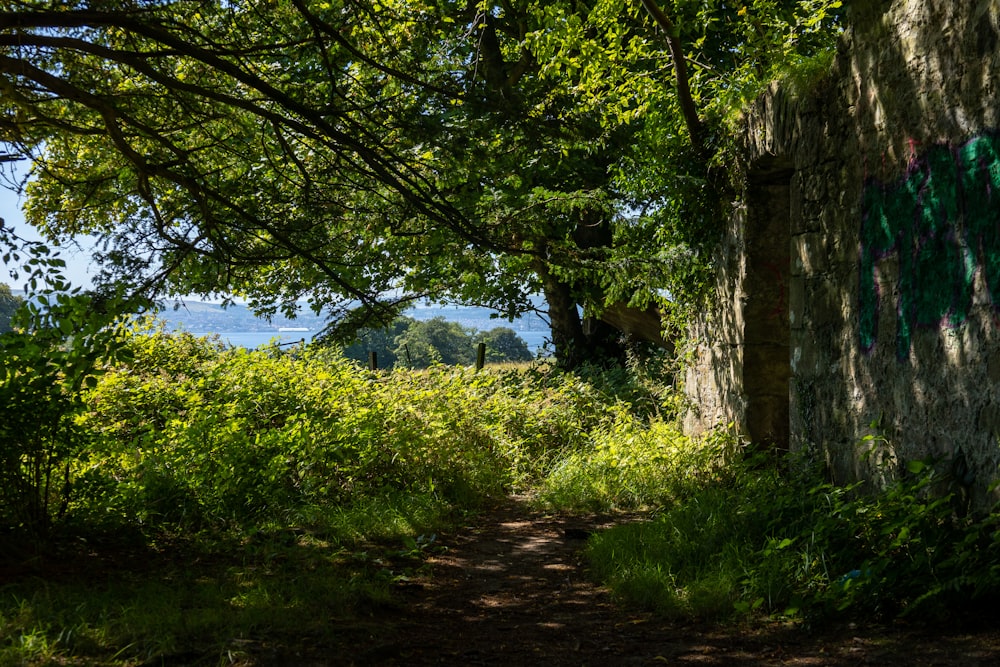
(941, 221)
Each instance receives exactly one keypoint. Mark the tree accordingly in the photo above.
(380, 341)
(503, 344)
(366, 155)
(8, 306)
(62, 340)
(418, 344)
(435, 341)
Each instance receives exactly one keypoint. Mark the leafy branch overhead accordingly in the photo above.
(363, 155)
(679, 62)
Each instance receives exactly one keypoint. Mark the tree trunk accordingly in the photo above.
(567, 327)
(685, 99)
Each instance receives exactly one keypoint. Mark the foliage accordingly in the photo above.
(59, 338)
(189, 433)
(364, 155)
(906, 550)
(380, 341)
(435, 341)
(217, 598)
(288, 483)
(300, 483)
(303, 483)
(503, 345)
(634, 464)
(410, 343)
(790, 545)
(8, 306)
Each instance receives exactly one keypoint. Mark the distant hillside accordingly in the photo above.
(203, 317)
(200, 317)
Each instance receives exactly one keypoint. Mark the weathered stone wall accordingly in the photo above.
(859, 282)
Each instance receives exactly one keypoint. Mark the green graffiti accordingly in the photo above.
(941, 221)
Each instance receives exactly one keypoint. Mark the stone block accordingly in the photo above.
(796, 302)
(810, 252)
(993, 366)
(825, 307)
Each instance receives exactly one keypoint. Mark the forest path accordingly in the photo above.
(512, 588)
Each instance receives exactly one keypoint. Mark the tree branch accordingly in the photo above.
(688, 108)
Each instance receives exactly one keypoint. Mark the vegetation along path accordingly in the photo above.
(512, 589)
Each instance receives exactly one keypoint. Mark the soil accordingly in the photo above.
(513, 589)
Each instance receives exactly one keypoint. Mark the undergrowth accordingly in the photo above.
(232, 487)
(220, 489)
(764, 543)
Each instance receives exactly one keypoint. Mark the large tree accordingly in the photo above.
(363, 155)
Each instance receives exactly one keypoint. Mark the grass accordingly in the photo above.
(207, 599)
(688, 562)
(321, 479)
(636, 463)
(228, 500)
(763, 544)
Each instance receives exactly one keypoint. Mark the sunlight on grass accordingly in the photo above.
(686, 563)
(633, 464)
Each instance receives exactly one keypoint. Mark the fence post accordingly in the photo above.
(372, 360)
(480, 356)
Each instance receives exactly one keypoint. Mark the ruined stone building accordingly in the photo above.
(859, 279)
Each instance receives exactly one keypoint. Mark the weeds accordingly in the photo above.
(271, 492)
(793, 546)
(268, 494)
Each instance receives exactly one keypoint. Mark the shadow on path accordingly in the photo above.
(512, 589)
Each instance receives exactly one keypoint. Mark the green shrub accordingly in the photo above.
(191, 433)
(631, 463)
(45, 363)
(759, 541)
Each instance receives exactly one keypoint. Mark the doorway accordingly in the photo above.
(767, 329)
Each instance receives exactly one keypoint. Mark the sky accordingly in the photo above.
(77, 260)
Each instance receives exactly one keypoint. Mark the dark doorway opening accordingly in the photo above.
(767, 330)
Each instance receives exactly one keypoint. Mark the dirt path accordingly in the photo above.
(512, 590)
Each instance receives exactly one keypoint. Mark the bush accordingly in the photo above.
(190, 433)
(633, 464)
(756, 541)
(37, 433)
(42, 374)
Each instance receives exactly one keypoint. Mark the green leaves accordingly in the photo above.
(58, 342)
(360, 156)
(191, 434)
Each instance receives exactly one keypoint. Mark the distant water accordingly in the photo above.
(239, 328)
(255, 339)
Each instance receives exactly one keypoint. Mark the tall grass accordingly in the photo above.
(247, 495)
(296, 485)
(758, 542)
(632, 462)
(192, 435)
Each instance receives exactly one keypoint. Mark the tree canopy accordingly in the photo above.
(362, 155)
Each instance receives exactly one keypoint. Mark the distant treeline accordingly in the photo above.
(411, 343)
(9, 303)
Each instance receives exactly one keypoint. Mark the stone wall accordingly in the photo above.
(859, 281)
